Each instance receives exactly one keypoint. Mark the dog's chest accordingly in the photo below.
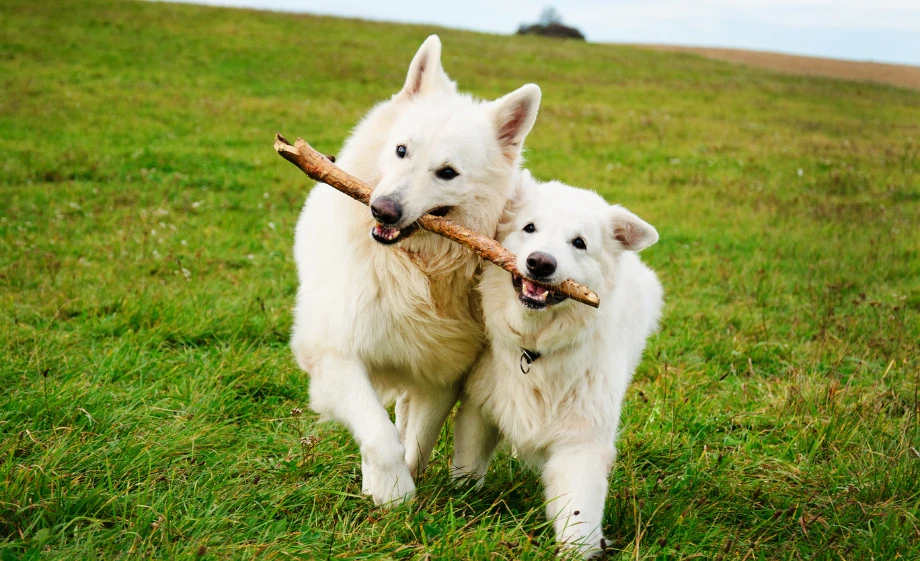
(554, 400)
(425, 330)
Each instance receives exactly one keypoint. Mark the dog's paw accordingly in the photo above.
(579, 546)
(597, 551)
(388, 487)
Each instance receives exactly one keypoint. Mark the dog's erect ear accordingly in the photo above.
(632, 233)
(514, 116)
(425, 73)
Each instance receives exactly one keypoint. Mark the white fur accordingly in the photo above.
(373, 322)
(562, 416)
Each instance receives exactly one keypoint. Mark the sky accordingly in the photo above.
(876, 30)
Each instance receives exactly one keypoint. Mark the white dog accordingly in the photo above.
(376, 321)
(553, 378)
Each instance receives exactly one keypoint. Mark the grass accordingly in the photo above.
(146, 282)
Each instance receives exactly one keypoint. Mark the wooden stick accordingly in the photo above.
(320, 168)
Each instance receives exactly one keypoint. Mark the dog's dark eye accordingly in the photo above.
(447, 173)
(530, 228)
(401, 151)
(579, 243)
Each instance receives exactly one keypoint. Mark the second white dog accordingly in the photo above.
(553, 378)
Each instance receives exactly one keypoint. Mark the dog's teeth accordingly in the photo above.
(534, 291)
(386, 232)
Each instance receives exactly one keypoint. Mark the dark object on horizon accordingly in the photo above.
(550, 25)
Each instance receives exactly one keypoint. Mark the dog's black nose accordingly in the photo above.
(386, 211)
(541, 264)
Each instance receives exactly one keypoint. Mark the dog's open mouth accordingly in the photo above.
(534, 296)
(388, 235)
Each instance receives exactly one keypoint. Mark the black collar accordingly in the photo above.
(527, 358)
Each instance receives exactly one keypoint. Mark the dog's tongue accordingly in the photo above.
(385, 232)
(534, 291)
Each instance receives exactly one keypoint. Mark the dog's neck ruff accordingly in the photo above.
(527, 358)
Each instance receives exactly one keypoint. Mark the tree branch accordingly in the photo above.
(320, 168)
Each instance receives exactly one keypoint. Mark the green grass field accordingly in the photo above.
(146, 283)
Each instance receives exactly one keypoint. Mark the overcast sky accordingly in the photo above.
(878, 30)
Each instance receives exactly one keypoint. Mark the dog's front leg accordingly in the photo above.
(475, 439)
(575, 478)
(425, 412)
(340, 389)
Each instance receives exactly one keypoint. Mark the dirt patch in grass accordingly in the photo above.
(894, 74)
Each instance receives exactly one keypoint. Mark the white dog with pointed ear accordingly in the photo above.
(553, 378)
(385, 311)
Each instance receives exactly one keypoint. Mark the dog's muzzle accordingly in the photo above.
(388, 214)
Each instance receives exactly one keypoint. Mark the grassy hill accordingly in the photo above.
(146, 282)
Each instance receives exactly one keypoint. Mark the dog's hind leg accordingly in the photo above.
(426, 412)
(402, 415)
(575, 478)
(340, 389)
(475, 439)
